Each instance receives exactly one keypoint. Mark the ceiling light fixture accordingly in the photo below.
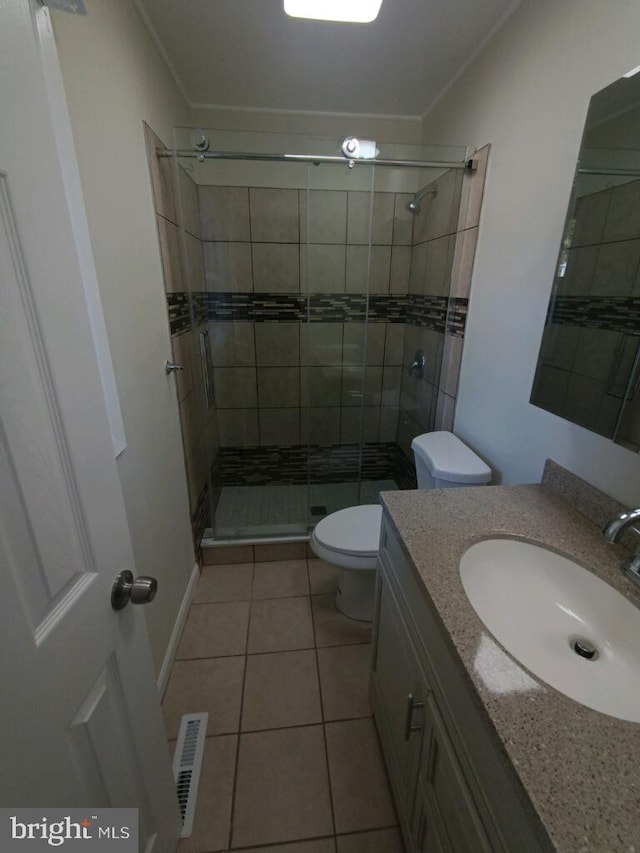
(347, 11)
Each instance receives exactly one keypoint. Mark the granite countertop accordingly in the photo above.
(580, 768)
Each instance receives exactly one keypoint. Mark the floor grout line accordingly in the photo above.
(244, 681)
(323, 721)
(322, 712)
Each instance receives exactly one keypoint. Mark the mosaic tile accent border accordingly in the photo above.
(338, 463)
(433, 312)
(610, 313)
(200, 518)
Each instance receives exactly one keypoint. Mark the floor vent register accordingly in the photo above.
(187, 762)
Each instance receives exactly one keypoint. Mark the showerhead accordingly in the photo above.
(413, 206)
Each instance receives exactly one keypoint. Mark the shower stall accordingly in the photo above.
(313, 310)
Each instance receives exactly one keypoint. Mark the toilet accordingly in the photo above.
(350, 537)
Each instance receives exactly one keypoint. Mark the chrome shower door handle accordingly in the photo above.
(170, 367)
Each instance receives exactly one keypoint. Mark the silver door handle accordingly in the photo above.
(408, 720)
(170, 367)
(125, 589)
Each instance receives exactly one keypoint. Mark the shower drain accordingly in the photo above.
(584, 648)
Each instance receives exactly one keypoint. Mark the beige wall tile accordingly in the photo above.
(190, 220)
(463, 257)
(238, 427)
(368, 269)
(227, 554)
(169, 238)
(327, 216)
(400, 269)
(281, 551)
(227, 267)
(278, 387)
(224, 213)
(321, 344)
(277, 344)
(233, 344)
(322, 268)
(402, 220)
(279, 426)
(388, 423)
(235, 387)
(274, 215)
(320, 425)
(161, 178)
(320, 386)
(276, 267)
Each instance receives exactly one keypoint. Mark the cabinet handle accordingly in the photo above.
(408, 720)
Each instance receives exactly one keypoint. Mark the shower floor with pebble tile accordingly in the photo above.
(292, 762)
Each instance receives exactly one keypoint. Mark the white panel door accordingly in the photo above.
(80, 721)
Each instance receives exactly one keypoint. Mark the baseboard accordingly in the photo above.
(172, 648)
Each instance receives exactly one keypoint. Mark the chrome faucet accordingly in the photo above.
(612, 532)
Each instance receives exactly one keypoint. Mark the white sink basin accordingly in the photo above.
(537, 604)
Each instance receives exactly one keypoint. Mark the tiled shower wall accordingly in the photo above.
(442, 253)
(279, 379)
(184, 271)
(591, 336)
(279, 279)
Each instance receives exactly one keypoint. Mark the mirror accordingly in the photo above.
(589, 363)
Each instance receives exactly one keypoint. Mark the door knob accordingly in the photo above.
(142, 590)
(170, 367)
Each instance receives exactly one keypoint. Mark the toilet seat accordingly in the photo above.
(350, 537)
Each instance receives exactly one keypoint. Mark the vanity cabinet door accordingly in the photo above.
(448, 810)
(429, 833)
(398, 695)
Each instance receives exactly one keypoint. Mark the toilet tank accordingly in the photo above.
(445, 462)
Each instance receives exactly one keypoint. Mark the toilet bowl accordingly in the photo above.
(350, 538)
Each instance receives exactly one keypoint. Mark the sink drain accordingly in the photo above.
(584, 648)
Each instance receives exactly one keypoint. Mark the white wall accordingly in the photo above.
(528, 95)
(114, 78)
(381, 128)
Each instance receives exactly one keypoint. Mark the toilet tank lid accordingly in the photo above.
(449, 459)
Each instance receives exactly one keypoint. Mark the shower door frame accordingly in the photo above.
(176, 154)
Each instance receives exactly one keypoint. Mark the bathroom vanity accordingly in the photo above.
(483, 756)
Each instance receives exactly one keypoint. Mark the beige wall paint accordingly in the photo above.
(528, 95)
(381, 128)
(114, 79)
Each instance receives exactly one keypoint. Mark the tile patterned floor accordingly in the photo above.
(292, 762)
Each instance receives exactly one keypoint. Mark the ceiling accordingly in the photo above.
(250, 54)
